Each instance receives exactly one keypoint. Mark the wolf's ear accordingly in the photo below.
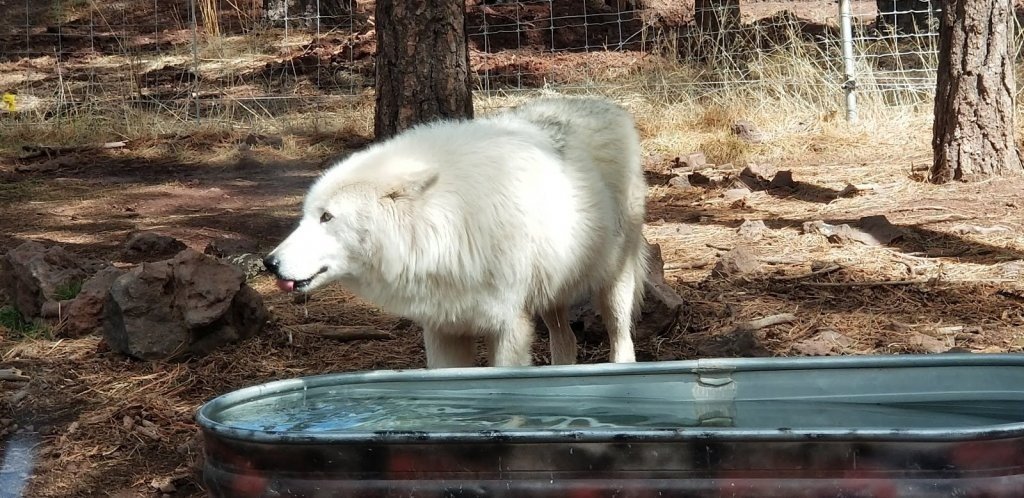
(412, 185)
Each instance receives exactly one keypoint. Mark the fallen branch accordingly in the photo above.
(915, 257)
(18, 396)
(869, 283)
(34, 151)
(942, 219)
(822, 271)
(781, 261)
(919, 208)
(693, 265)
(966, 229)
(765, 322)
(13, 375)
(342, 332)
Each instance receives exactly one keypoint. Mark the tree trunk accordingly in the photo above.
(974, 98)
(907, 16)
(719, 24)
(302, 11)
(422, 64)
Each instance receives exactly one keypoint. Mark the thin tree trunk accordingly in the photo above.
(719, 23)
(301, 10)
(422, 64)
(974, 99)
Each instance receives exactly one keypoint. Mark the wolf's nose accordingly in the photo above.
(270, 263)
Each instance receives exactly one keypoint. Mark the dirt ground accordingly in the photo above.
(933, 290)
(102, 425)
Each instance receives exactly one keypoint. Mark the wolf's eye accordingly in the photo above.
(324, 218)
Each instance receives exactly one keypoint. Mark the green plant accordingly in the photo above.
(12, 320)
(68, 290)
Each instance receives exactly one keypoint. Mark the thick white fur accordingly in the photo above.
(471, 228)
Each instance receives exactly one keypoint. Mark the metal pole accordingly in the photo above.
(195, 56)
(850, 83)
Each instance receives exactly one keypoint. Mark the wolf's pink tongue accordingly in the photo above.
(286, 285)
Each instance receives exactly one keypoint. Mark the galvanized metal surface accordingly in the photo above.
(711, 385)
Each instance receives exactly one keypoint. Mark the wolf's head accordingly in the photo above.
(348, 215)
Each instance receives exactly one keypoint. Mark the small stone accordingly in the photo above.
(679, 182)
(163, 484)
(736, 194)
(250, 264)
(693, 161)
(748, 132)
(825, 343)
(879, 229)
(752, 230)
(756, 176)
(697, 178)
(741, 260)
(870, 230)
(151, 246)
(782, 179)
(927, 343)
(253, 139)
(223, 246)
(850, 190)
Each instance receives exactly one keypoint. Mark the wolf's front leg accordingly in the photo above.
(446, 350)
(509, 346)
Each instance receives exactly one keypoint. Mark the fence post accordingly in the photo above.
(850, 83)
(194, 93)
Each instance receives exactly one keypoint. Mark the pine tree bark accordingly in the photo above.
(422, 64)
(973, 135)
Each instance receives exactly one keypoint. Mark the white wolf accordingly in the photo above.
(471, 228)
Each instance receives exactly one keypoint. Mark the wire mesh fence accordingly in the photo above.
(244, 61)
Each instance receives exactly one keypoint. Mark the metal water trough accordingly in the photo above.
(893, 426)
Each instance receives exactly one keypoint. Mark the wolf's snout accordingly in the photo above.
(271, 263)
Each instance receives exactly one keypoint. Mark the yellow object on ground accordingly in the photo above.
(8, 100)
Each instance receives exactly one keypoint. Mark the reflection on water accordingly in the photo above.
(17, 464)
(365, 409)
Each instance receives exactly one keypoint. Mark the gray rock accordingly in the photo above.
(736, 194)
(752, 230)
(223, 247)
(33, 274)
(188, 305)
(242, 253)
(692, 162)
(748, 132)
(151, 246)
(757, 176)
(250, 264)
(783, 179)
(870, 230)
(680, 182)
